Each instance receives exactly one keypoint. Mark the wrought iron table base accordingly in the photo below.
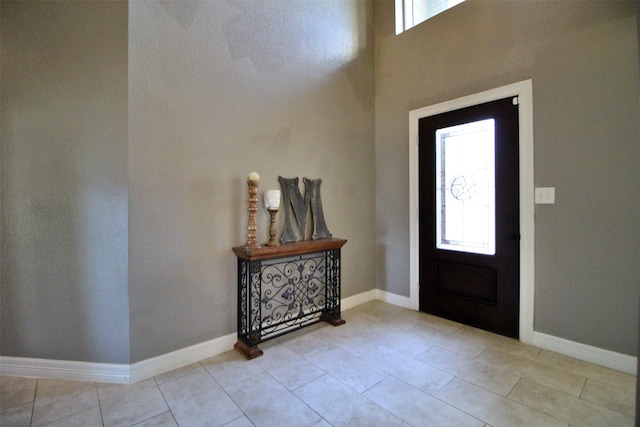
(285, 288)
(251, 352)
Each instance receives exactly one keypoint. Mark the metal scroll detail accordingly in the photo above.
(249, 302)
(243, 315)
(279, 295)
(293, 292)
(332, 308)
(254, 302)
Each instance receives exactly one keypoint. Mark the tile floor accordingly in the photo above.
(386, 366)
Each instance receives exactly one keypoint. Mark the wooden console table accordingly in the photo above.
(284, 288)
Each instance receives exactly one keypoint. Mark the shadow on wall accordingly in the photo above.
(252, 34)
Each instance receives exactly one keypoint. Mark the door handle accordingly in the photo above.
(512, 236)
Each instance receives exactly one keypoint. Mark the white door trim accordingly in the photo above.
(524, 91)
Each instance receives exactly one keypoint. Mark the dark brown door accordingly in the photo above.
(469, 216)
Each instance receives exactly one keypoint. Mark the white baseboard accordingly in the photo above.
(356, 300)
(395, 299)
(64, 370)
(607, 358)
(177, 359)
(375, 294)
(122, 373)
(114, 373)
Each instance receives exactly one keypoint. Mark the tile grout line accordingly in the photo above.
(155, 381)
(33, 403)
(513, 357)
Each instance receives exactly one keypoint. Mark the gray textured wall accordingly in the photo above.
(176, 109)
(63, 290)
(216, 90)
(583, 60)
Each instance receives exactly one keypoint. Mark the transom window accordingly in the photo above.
(410, 13)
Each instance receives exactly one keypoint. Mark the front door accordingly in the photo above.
(469, 216)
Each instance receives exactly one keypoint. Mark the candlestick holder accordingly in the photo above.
(272, 227)
(252, 233)
(272, 203)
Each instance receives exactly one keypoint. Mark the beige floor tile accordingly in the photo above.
(417, 407)
(567, 408)
(268, 403)
(305, 344)
(239, 422)
(354, 337)
(231, 367)
(370, 328)
(352, 320)
(417, 316)
(16, 390)
(614, 398)
(90, 418)
(287, 367)
(411, 371)
(197, 399)
(163, 420)
(371, 371)
(17, 415)
(342, 406)
(131, 403)
(396, 321)
(471, 370)
(362, 308)
(322, 423)
(551, 375)
(306, 340)
(346, 368)
(58, 399)
(507, 344)
(440, 324)
(446, 340)
(591, 370)
(401, 342)
(376, 305)
(178, 373)
(491, 408)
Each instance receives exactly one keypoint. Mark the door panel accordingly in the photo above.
(469, 216)
(466, 281)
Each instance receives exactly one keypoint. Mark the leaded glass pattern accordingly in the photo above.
(465, 187)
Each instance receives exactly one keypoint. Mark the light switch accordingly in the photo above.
(545, 195)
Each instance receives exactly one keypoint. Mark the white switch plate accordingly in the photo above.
(545, 195)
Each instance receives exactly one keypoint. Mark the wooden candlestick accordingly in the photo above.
(252, 233)
(272, 228)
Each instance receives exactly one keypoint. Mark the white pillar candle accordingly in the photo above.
(272, 199)
(253, 176)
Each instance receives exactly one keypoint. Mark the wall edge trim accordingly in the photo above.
(179, 358)
(64, 369)
(587, 353)
(395, 299)
(356, 300)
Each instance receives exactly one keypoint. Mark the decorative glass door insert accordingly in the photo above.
(465, 188)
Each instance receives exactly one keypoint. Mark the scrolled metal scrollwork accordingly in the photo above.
(280, 294)
(293, 291)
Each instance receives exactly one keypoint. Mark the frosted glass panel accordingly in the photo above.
(465, 188)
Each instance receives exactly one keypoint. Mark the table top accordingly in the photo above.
(288, 249)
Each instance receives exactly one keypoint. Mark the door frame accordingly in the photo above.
(524, 91)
